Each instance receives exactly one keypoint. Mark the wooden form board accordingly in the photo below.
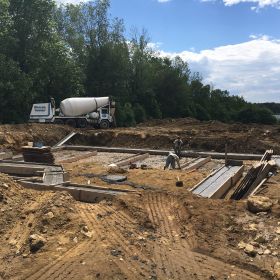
(20, 169)
(6, 155)
(258, 187)
(64, 140)
(214, 155)
(196, 164)
(81, 193)
(186, 164)
(261, 176)
(217, 184)
(27, 169)
(132, 160)
(79, 157)
(255, 176)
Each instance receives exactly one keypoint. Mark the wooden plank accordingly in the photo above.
(262, 175)
(20, 170)
(185, 164)
(6, 155)
(94, 187)
(195, 165)
(79, 157)
(65, 139)
(132, 160)
(123, 159)
(80, 193)
(258, 187)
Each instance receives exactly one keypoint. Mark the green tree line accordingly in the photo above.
(64, 51)
(272, 106)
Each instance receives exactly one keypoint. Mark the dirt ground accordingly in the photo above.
(156, 134)
(163, 232)
(196, 135)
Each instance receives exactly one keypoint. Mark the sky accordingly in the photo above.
(233, 44)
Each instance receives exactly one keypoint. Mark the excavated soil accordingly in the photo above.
(196, 135)
(14, 136)
(156, 134)
(159, 235)
(163, 232)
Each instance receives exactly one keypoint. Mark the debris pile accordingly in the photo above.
(41, 155)
(255, 177)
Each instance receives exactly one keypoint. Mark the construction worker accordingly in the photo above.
(171, 160)
(177, 145)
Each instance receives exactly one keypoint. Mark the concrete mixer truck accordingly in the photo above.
(76, 112)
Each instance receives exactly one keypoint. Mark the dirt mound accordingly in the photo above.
(15, 136)
(196, 135)
(154, 134)
(168, 122)
(34, 222)
(219, 227)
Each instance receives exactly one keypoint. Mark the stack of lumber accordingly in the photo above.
(41, 155)
(255, 177)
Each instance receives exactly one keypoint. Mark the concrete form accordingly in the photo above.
(79, 157)
(21, 169)
(132, 159)
(261, 176)
(214, 155)
(196, 164)
(84, 193)
(64, 140)
(217, 184)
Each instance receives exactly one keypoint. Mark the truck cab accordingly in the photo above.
(42, 113)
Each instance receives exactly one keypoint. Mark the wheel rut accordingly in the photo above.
(176, 254)
(115, 225)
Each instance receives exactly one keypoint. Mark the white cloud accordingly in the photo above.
(163, 1)
(250, 69)
(257, 3)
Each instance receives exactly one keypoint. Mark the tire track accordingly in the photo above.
(191, 240)
(181, 250)
(70, 267)
(207, 264)
(220, 268)
(58, 265)
(51, 268)
(159, 252)
(117, 239)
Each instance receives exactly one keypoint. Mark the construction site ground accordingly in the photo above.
(160, 231)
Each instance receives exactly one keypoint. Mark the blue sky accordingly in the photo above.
(233, 44)
(192, 24)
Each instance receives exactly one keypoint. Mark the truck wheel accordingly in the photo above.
(104, 124)
(58, 121)
(71, 122)
(82, 123)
